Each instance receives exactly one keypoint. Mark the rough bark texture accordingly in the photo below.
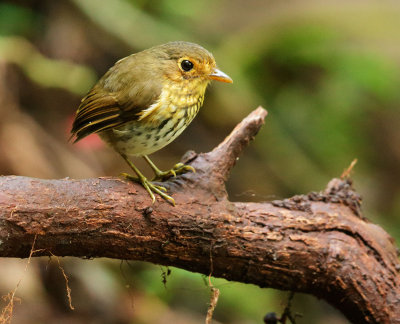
(317, 243)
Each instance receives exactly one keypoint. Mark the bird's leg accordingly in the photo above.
(178, 168)
(150, 187)
(159, 175)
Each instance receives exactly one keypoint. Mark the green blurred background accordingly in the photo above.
(328, 73)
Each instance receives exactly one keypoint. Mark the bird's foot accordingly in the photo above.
(178, 168)
(150, 187)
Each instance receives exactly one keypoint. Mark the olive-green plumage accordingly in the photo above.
(146, 100)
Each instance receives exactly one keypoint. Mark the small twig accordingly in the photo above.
(213, 303)
(6, 314)
(127, 281)
(272, 318)
(346, 173)
(214, 292)
(66, 281)
(287, 313)
(165, 275)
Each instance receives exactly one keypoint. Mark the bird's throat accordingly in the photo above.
(178, 100)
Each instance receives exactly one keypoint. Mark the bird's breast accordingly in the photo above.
(159, 125)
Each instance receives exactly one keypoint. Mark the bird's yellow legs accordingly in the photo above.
(152, 188)
(178, 168)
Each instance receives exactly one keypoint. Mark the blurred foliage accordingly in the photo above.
(47, 73)
(17, 20)
(328, 73)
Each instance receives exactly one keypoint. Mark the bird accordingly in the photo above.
(145, 101)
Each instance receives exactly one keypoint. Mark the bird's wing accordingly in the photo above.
(105, 107)
(98, 111)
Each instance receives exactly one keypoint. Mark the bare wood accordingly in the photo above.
(317, 243)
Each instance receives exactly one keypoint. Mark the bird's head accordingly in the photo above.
(180, 61)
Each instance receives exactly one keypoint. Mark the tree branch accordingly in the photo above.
(317, 243)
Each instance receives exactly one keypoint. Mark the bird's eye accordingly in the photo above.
(186, 65)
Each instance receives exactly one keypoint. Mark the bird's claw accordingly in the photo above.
(178, 168)
(150, 187)
(129, 177)
(181, 168)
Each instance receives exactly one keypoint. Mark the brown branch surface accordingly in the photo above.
(317, 243)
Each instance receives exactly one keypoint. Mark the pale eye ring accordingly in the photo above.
(186, 65)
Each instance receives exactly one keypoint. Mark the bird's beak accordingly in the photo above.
(218, 75)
